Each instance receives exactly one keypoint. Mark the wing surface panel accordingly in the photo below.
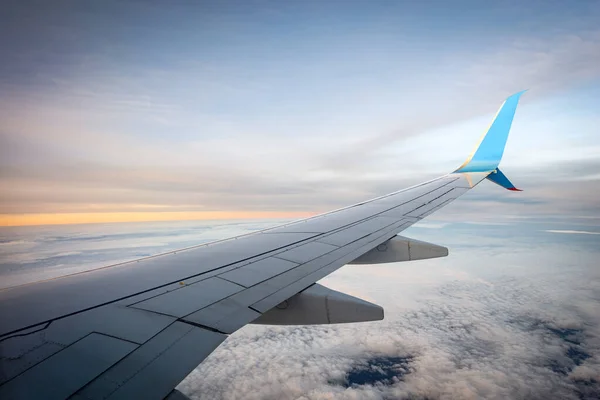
(65, 372)
(190, 298)
(156, 367)
(259, 271)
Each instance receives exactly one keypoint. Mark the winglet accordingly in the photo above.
(500, 179)
(490, 149)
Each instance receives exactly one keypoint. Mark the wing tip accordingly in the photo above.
(489, 151)
(500, 179)
(518, 94)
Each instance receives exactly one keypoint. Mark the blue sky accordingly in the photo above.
(289, 106)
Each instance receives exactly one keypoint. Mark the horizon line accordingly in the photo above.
(38, 219)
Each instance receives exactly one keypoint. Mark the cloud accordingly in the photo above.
(573, 232)
(463, 349)
(525, 331)
(28, 254)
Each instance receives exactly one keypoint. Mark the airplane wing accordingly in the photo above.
(137, 329)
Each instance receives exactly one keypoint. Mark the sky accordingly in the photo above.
(136, 111)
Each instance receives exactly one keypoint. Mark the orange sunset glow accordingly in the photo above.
(86, 218)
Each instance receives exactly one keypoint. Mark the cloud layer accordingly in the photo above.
(467, 327)
(511, 313)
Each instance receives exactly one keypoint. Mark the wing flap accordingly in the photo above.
(190, 298)
(156, 367)
(24, 351)
(62, 374)
(258, 271)
(226, 316)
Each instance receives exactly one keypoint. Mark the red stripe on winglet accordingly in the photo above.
(514, 189)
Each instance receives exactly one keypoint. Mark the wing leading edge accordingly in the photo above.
(137, 329)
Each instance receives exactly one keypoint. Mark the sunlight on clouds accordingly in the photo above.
(85, 218)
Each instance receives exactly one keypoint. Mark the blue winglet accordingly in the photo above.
(500, 179)
(489, 152)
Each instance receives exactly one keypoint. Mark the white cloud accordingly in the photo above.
(525, 332)
(573, 232)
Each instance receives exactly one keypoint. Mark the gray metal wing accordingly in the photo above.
(136, 329)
